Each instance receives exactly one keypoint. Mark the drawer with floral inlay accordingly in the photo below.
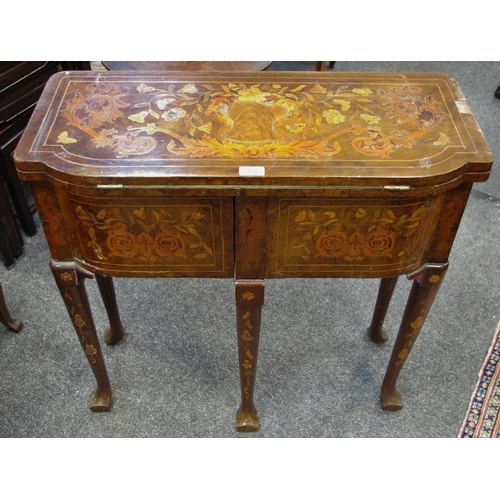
(343, 238)
(173, 237)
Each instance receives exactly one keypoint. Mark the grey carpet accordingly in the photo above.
(176, 375)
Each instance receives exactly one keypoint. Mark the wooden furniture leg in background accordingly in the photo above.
(321, 65)
(12, 324)
(70, 281)
(19, 198)
(11, 241)
(427, 281)
(377, 331)
(115, 331)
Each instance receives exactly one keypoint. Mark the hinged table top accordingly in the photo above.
(264, 127)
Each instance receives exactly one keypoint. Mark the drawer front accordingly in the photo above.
(165, 237)
(340, 238)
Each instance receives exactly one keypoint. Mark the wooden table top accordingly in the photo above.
(304, 128)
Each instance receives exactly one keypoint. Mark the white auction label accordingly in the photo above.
(252, 171)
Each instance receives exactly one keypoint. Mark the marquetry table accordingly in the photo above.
(254, 176)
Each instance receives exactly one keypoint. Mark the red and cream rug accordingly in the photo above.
(483, 417)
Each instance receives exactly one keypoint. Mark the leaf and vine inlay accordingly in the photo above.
(351, 233)
(81, 325)
(253, 120)
(147, 234)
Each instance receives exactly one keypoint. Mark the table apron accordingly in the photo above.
(194, 236)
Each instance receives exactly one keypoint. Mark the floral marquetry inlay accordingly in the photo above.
(241, 119)
(172, 235)
(335, 235)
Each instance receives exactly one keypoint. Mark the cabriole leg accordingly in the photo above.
(427, 281)
(250, 242)
(377, 331)
(115, 331)
(249, 301)
(70, 281)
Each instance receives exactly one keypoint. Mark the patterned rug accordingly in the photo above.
(483, 416)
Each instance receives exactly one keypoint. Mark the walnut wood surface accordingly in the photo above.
(251, 175)
(337, 129)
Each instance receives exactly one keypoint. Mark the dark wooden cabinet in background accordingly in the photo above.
(21, 84)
